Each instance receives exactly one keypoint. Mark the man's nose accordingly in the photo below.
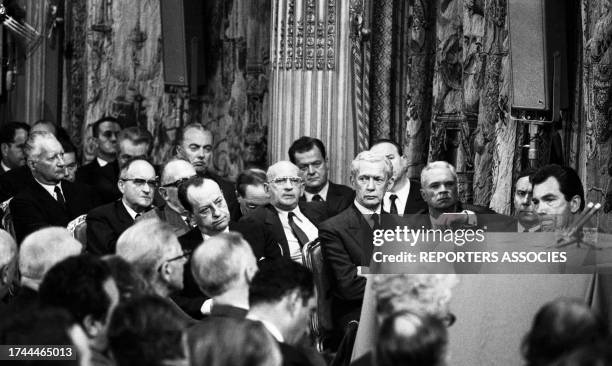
(311, 169)
(526, 201)
(214, 210)
(371, 185)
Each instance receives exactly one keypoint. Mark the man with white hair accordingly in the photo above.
(153, 249)
(223, 267)
(292, 223)
(39, 252)
(346, 239)
(51, 201)
(8, 266)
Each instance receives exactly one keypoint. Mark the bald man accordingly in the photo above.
(291, 222)
(8, 265)
(174, 172)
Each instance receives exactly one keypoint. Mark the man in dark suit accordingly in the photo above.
(310, 157)
(205, 202)
(137, 183)
(251, 192)
(290, 222)
(174, 172)
(48, 200)
(13, 136)
(405, 195)
(194, 143)
(281, 296)
(223, 267)
(103, 171)
(346, 239)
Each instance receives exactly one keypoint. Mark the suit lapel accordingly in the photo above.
(275, 226)
(359, 229)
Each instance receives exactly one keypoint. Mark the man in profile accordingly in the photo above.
(523, 205)
(309, 155)
(102, 172)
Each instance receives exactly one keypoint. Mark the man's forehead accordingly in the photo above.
(523, 184)
(194, 135)
(178, 169)
(142, 169)
(371, 168)
(438, 175)
(549, 186)
(109, 125)
(310, 155)
(253, 191)
(204, 194)
(127, 144)
(50, 145)
(283, 170)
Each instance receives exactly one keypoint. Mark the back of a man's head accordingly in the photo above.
(222, 263)
(408, 339)
(41, 250)
(8, 260)
(80, 285)
(277, 279)
(147, 330)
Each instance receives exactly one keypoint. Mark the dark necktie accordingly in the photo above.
(376, 221)
(299, 234)
(317, 198)
(59, 196)
(393, 209)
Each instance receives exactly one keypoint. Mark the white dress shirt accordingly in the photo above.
(322, 193)
(303, 223)
(101, 162)
(51, 188)
(400, 201)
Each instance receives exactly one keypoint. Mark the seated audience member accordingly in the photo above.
(281, 296)
(445, 210)
(147, 331)
(309, 155)
(134, 143)
(70, 160)
(598, 354)
(51, 201)
(251, 191)
(137, 184)
(8, 267)
(152, 248)
(528, 221)
(174, 173)
(560, 327)
(404, 197)
(558, 196)
(13, 136)
(405, 338)
(49, 327)
(83, 285)
(130, 283)
(346, 239)
(103, 171)
(290, 223)
(223, 267)
(194, 143)
(221, 341)
(40, 251)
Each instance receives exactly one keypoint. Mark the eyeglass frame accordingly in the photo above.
(186, 254)
(176, 183)
(139, 182)
(279, 181)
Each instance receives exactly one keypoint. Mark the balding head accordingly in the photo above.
(8, 261)
(175, 172)
(224, 263)
(206, 205)
(41, 250)
(285, 186)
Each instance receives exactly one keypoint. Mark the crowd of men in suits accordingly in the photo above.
(212, 249)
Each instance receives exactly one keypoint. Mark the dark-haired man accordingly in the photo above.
(251, 191)
(523, 205)
(137, 183)
(13, 136)
(309, 155)
(405, 196)
(83, 285)
(103, 171)
(194, 143)
(284, 304)
(558, 196)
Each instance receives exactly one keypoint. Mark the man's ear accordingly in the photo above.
(267, 187)
(249, 273)
(91, 326)
(121, 186)
(163, 193)
(4, 149)
(389, 184)
(423, 195)
(292, 301)
(4, 275)
(575, 204)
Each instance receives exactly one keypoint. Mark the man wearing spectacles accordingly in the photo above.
(291, 222)
(207, 208)
(137, 183)
(174, 173)
(309, 155)
(194, 143)
(48, 200)
(103, 171)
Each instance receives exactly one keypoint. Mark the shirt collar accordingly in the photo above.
(50, 187)
(296, 211)
(101, 162)
(206, 237)
(131, 212)
(322, 193)
(366, 211)
(276, 333)
(6, 168)
(403, 192)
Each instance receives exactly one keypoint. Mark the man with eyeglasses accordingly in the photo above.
(194, 143)
(291, 223)
(49, 200)
(103, 171)
(137, 183)
(309, 155)
(174, 172)
(346, 239)
(207, 207)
